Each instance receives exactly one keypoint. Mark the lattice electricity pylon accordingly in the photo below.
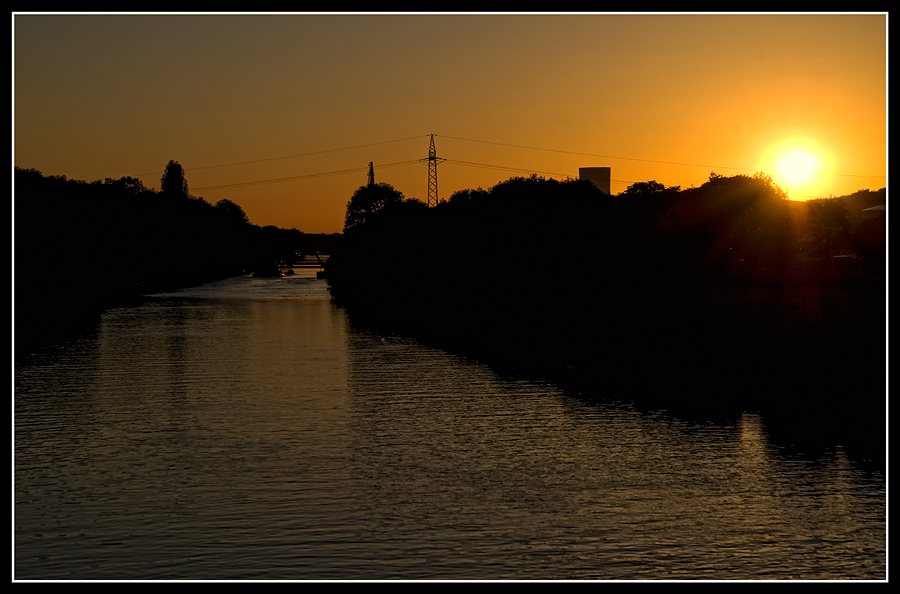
(432, 174)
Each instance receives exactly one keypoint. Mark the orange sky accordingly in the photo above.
(257, 98)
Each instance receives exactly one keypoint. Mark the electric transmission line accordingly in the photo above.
(346, 148)
(299, 177)
(535, 148)
(433, 160)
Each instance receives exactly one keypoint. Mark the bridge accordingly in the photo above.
(316, 260)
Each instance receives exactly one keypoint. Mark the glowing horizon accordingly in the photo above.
(282, 113)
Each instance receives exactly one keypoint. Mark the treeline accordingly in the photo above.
(80, 247)
(706, 300)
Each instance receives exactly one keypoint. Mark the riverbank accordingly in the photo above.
(707, 355)
(82, 247)
(49, 307)
(703, 305)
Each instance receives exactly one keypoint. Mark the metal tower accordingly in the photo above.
(432, 174)
(371, 174)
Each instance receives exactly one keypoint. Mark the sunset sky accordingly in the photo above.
(286, 111)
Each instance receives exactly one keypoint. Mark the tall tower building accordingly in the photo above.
(599, 176)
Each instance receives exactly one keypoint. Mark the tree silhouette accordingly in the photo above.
(232, 212)
(173, 182)
(367, 200)
(127, 185)
(830, 223)
(650, 188)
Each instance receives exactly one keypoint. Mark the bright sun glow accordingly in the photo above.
(800, 166)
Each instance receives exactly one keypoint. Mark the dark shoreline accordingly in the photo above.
(704, 302)
(809, 406)
(48, 311)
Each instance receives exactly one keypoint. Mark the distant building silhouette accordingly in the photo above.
(599, 176)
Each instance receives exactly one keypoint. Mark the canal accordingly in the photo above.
(247, 430)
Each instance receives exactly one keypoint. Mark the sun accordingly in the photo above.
(798, 165)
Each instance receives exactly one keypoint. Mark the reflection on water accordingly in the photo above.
(243, 430)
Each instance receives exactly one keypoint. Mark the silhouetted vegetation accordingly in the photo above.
(702, 301)
(368, 200)
(81, 247)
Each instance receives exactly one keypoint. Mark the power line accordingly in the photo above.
(346, 148)
(384, 166)
(635, 159)
(494, 143)
(454, 161)
(503, 168)
(596, 155)
(278, 180)
(855, 175)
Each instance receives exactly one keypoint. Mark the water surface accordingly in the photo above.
(244, 430)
